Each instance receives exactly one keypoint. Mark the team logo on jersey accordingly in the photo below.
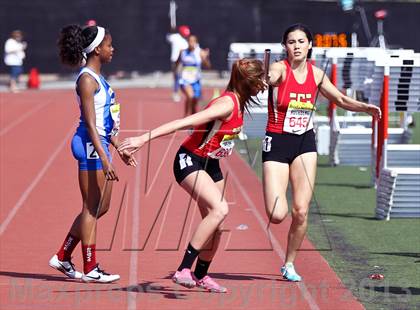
(296, 97)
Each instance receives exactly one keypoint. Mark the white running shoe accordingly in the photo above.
(66, 267)
(289, 273)
(100, 276)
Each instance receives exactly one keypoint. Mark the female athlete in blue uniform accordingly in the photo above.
(191, 60)
(98, 127)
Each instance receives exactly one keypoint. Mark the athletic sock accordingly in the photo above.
(89, 257)
(189, 257)
(69, 244)
(201, 268)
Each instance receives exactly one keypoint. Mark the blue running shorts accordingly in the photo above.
(84, 151)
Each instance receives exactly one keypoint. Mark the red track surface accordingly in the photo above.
(39, 198)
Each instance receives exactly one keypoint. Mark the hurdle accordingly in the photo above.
(355, 72)
(398, 166)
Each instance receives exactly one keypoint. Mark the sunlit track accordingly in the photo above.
(149, 240)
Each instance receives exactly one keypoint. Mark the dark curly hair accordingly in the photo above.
(73, 39)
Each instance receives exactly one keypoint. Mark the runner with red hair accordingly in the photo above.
(196, 166)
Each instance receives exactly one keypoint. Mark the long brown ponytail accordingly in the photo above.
(246, 75)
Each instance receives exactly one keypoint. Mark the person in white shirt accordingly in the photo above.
(14, 54)
(178, 43)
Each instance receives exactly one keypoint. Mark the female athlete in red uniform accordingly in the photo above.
(289, 149)
(196, 165)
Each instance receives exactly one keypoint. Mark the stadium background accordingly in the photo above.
(139, 26)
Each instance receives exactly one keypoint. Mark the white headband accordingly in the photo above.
(95, 43)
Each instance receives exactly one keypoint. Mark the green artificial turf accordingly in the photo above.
(342, 226)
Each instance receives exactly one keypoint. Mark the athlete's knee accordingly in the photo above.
(278, 217)
(277, 214)
(300, 215)
(221, 211)
(87, 215)
(92, 208)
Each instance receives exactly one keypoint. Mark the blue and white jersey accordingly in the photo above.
(104, 101)
(191, 66)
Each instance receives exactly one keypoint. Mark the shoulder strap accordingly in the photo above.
(91, 73)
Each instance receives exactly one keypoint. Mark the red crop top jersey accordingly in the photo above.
(291, 105)
(216, 138)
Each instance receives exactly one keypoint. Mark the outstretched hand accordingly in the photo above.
(128, 158)
(109, 170)
(374, 111)
(131, 145)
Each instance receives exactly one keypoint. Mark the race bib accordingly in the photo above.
(225, 149)
(115, 114)
(298, 118)
(90, 151)
(190, 74)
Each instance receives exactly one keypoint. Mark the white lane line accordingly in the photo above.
(133, 280)
(34, 182)
(275, 243)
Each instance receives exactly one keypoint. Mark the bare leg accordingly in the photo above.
(91, 185)
(275, 180)
(302, 178)
(211, 246)
(202, 188)
(188, 92)
(213, 208)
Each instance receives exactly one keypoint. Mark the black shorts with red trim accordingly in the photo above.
(187, 162)
(285, 147)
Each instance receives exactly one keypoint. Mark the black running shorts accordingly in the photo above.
(187, 162)
(285, 147)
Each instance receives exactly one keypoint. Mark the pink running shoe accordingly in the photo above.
(184, 278)
(210, 285)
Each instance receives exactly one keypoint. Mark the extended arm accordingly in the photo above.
(343, 101)
(221, 109)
